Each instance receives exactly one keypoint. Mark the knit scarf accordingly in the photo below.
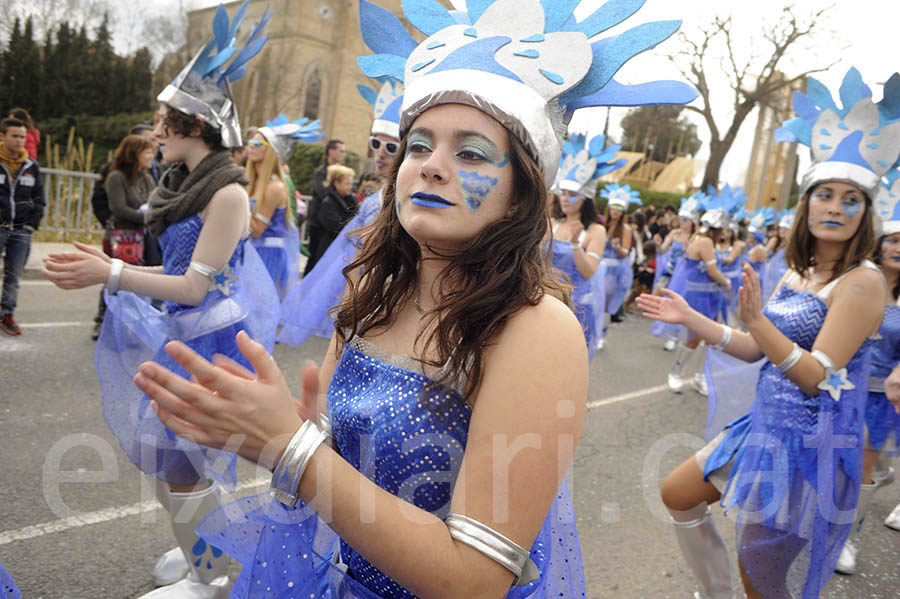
(182, 193)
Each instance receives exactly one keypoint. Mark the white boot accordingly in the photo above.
(172, 566)
(705, 553)
(847, 562)
(207, 577)
(883, 474)
(682, 355)
(699, 384)
(893, 519)
(669, 345)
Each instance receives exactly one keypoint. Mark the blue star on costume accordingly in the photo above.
(223, 280)
(835, 381)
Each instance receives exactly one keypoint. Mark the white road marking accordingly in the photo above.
(31, 283)
(50, 325)
(98, 517)
(124, 511)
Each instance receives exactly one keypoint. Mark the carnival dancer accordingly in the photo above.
(730, 252)
(618, 251)
(214, 286)
(274, 234)
(673, 247)
(811, 394)
(776, 266)
(881, 417)
(576, 227)
(307, 310)
(702, 284)
(758, 254)
(441, 344)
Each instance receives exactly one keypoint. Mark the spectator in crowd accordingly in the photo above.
(367, 185)
(334, 154)
(336, 208)
(644, 273)
(658, 224)
(33, 137)
(21, 210)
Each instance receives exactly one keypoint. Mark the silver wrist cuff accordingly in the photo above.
(726, 338)
(575, 245)
(293, 463)
(115, 273)
(263, 219)
(791, 360)
(494, 545)
(203, 269)
(325, 425)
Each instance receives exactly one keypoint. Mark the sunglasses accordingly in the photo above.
(390, 146)
(257, 143)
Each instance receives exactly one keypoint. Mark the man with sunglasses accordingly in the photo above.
(335, 153)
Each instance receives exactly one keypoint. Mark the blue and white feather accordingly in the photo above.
(621, 196)
(762, 219)
(585, 162)
(722, 206)
(386, 103)
(284, 135)
(887, 203)
(691, 206)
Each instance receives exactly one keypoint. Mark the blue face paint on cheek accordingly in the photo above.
(502, 163)
(851, 208)
(476, 188)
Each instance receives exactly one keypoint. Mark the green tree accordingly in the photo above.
(664, 128)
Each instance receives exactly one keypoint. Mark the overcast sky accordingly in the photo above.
(861, 33)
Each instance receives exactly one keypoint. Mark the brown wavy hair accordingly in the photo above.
(800, 252)
(503, 269)
(127, 157)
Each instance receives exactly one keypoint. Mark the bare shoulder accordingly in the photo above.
(548, 327)
(596, 228)
(230, 197)
(276, 186)
(862, 283)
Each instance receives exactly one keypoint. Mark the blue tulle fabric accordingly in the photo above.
(619, 277)
(279, 249)
(242, 298)
(732, 272)
(588, 295)
(407, 441)
(731, 385)
(305, 312)
(775, 269)
(8, 588)
(797, 464)
(882, 420)
(668, 261)
(758, 267)
(691, 281)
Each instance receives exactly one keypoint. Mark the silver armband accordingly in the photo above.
(263, 219)
(115, 273)
(834, 381)
(791, 360)
(325, 425)
(293, 463)
(595, 255)
(494, 545)
(726, 338)
(203, 269)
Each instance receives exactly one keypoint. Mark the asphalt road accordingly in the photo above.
(92, 536)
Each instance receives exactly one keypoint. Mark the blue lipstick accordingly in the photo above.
(427, 200)
(832, 224)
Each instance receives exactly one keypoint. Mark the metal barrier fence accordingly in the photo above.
(69, 202)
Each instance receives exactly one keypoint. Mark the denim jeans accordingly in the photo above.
(15, 245)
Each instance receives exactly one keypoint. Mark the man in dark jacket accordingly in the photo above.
(334, 154)
(21, 210)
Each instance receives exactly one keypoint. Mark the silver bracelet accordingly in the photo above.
(726, 338)
(791, 360)
(494, 545)
(263, 219)
(207, 271)
(325, 425)
(293, 463)
(115, 273)
(574, 245)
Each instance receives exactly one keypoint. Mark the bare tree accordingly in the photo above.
(753, 81)
(48, 15)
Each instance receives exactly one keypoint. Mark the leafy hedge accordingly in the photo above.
(105, 132)
(648, 197)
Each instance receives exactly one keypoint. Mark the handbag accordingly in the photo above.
(127, 245)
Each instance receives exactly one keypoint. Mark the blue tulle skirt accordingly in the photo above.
(8, 588)
(771, 275)
(305, 311)
(731, 384)
(619, 278)
(882, 421)
(733, 273)
(279, 249)
(588, 295)
(692, 283)
(292, 553)
(135, 332)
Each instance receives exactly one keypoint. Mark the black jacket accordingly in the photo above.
(22, 200)
(334, 211)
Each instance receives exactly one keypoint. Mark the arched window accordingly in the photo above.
(313, 94)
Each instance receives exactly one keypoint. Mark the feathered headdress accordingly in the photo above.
(527, 63)
(887, 203)
(691, 206)
(203, 87)
(786, 220)
(284, 135)
(858, 143)
(387, 104)
(585, 162)
(722, 206)
(621, 196)
(762, 219)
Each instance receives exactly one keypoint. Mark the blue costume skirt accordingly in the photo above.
(882, 421)
(301, 553)
(279, 249)
(733, 273)
(619, 277)
(8, 588)
(698, 290)
(305, 311)
(771, 275)
(135, 332)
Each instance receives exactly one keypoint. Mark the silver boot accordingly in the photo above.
(173, 565)
(848, 561)
(682, 356)
(705, 553)
(893, 519)
(207, 577)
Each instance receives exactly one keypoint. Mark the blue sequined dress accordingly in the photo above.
(619, 277)
(305, 311)
(410, 443)
(588, 295)
(279, 249)
(241, 297)
(733, 273)
(668, 261)
(793, 465)
(704, 295)
(882, 420)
